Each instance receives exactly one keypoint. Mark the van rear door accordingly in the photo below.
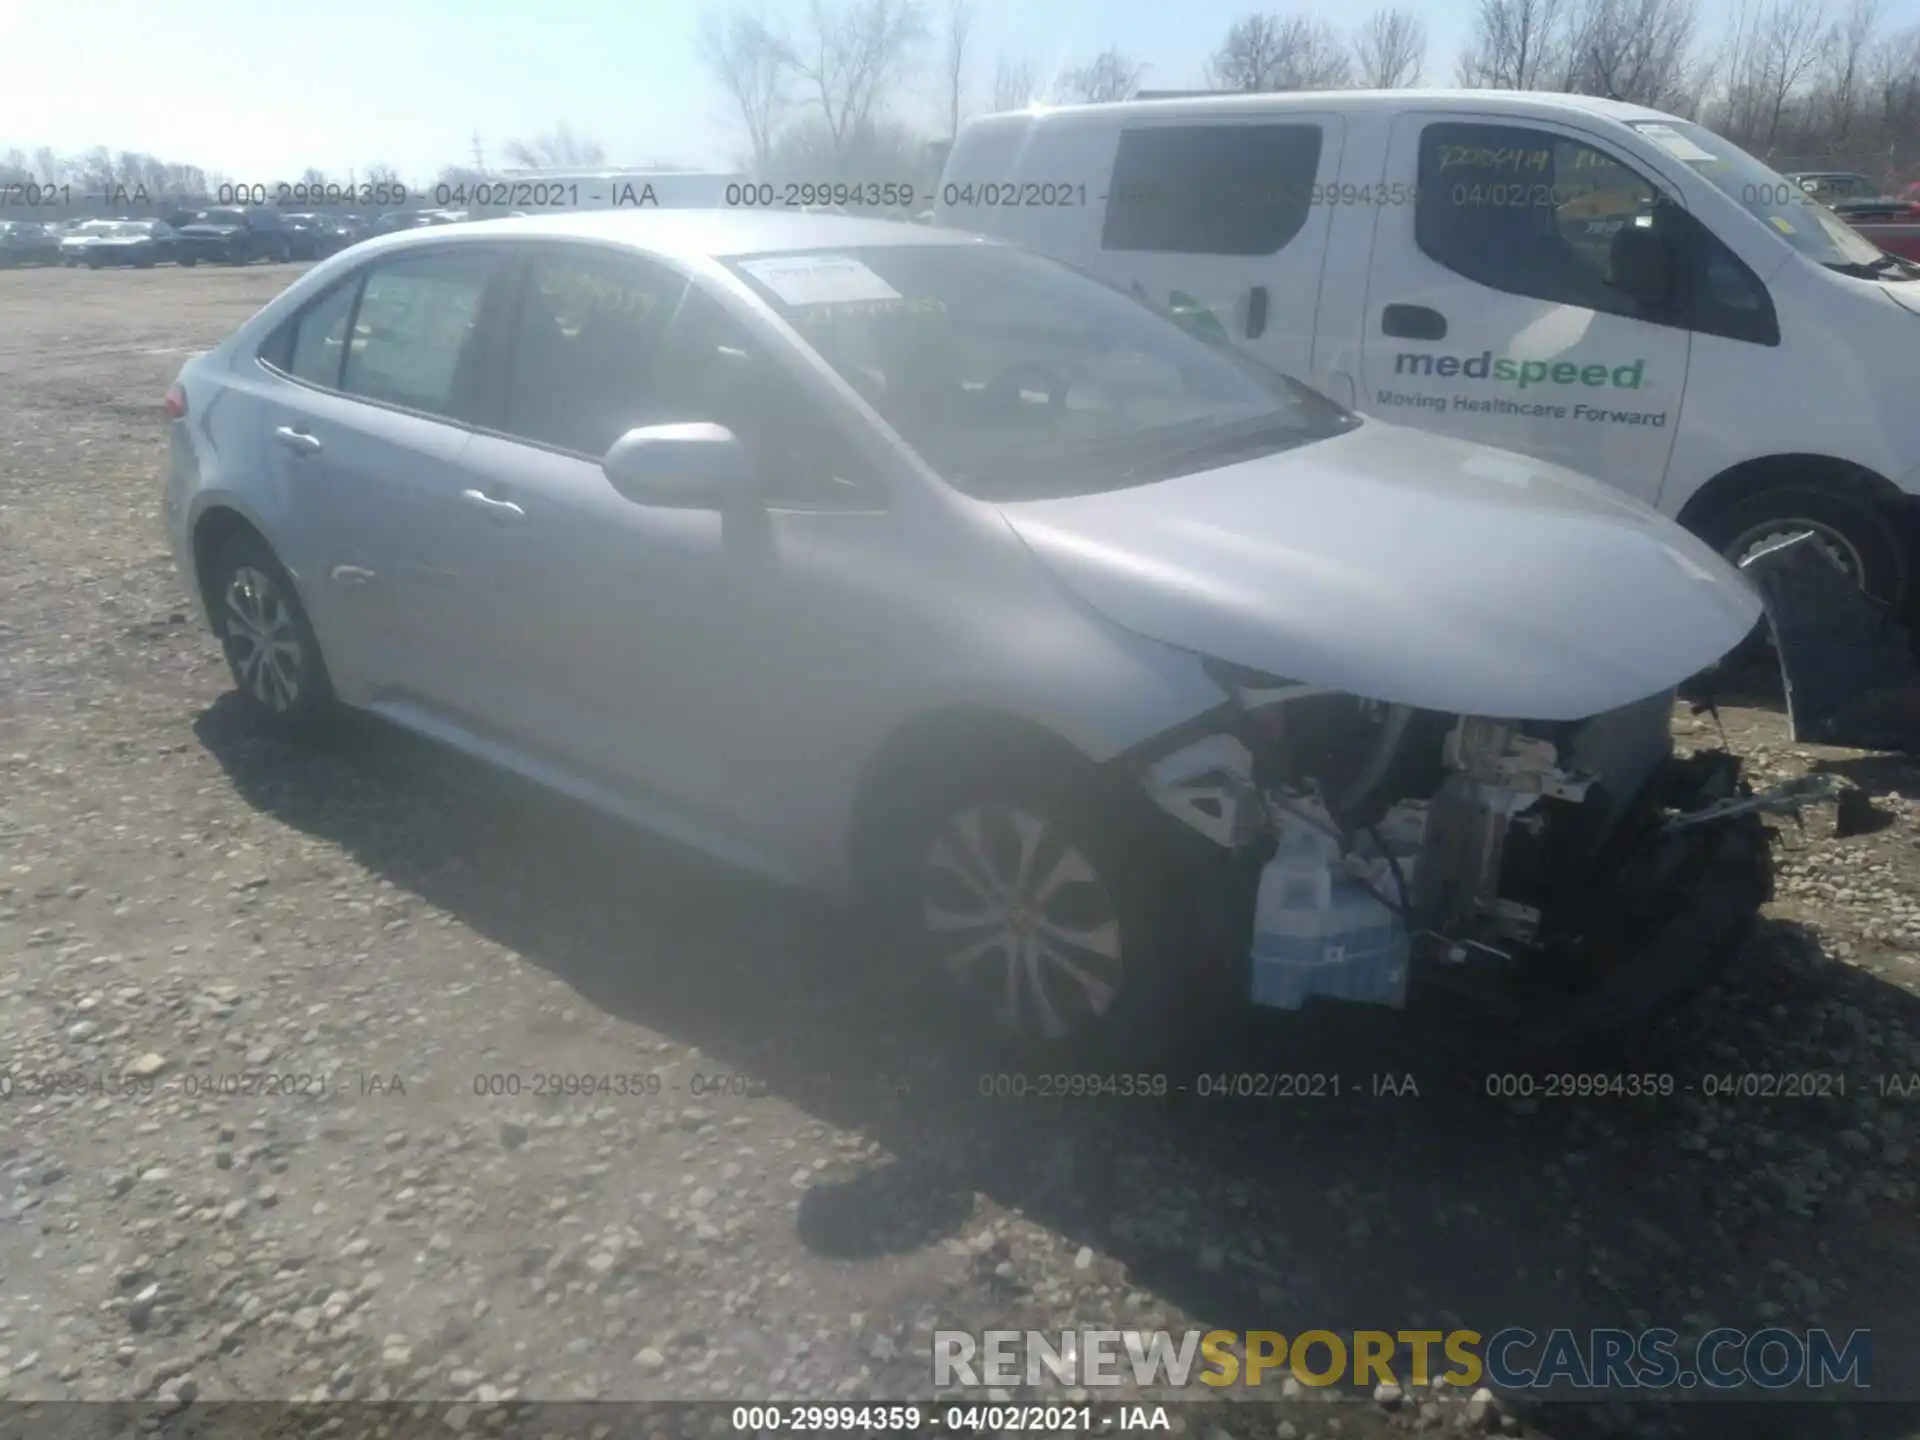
(1223, 220)
(1501, 304)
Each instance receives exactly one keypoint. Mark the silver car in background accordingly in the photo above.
(929, 573)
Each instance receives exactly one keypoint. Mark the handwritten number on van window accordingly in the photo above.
(1481, 157)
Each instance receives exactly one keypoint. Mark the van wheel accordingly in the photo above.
(1046, 913)
(1853, 531)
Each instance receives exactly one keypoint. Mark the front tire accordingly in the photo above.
(1852, 530)
(272, 652)
(1051, 911)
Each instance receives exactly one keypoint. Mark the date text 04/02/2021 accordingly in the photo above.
(951, 1419)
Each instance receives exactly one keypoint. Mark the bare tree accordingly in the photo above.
(1390, 49)
(1893, 84)
(742, 52)
(1634, 50)
(1516, 45)
(1843, 65)
(1279, 52)
(1014, 84)
(852, 56)
(1788, 48)
(1248, 57)
(959, 28)
(560, 149)
(1109, 76)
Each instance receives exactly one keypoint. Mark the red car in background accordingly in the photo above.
(1890, 221)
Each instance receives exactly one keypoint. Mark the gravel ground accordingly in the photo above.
(798, 1178)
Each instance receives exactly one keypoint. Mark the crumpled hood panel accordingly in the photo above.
(1406, 567)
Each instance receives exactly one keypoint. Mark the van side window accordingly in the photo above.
(1211, 189)
(1723, 296)
(1530, 212)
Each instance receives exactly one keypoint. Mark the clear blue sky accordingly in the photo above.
(260, 90)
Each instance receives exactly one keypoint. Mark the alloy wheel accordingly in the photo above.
(262, 640)
(1020, 919)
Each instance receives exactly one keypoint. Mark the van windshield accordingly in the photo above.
(1017, 377)
(1781, 204)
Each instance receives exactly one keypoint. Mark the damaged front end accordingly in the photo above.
(1574, 876)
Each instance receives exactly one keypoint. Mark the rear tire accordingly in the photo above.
(272, 652)
(1049, 911)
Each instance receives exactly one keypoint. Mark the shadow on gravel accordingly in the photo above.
(1404, 1191)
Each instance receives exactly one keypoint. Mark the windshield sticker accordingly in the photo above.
(1676, 144)
(1780, 224)
(819, 279)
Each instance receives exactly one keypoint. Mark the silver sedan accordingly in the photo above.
(1123, 676)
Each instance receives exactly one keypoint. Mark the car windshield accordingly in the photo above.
(1781, 204)
(1017, 377)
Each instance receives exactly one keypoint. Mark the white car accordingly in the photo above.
(1584, 281)
(927, 572)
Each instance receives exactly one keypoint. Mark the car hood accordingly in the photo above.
(1406, 567)
(212, 232)
(124, 240)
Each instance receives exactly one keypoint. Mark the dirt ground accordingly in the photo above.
(799, 1179)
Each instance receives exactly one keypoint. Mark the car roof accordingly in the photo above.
(689, 234)
(1482, 103)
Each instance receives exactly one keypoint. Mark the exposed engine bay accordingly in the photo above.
(1550, 858)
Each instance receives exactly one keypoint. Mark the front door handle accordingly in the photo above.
(298, 441)
(1413, 322)
(1256, 312)
(486, 502)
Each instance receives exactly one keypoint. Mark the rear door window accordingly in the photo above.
(415, 334)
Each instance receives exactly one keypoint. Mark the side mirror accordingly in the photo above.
(695, 467)
(1640, 263)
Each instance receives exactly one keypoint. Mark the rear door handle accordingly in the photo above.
(298, 441)
(492, 506)
(1413, 322)
(1256, 312)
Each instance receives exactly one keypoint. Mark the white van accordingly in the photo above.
(1586, 281)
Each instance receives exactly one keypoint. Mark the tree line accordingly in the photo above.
(1794, 81)
(823, 97)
